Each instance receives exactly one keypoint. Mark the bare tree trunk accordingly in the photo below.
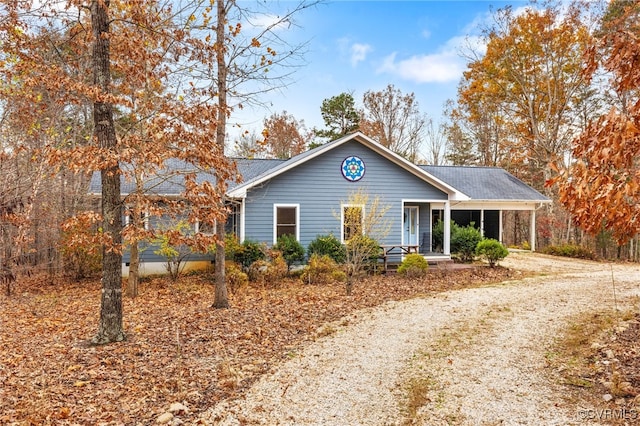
(221, 299)
(110, 326)
(134, 270)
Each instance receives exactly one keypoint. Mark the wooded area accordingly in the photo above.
(121, 87)
(118, 88)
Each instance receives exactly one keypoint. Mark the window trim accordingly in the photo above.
(342, 209)
(275, 220)
(196, 227)
(145, 220)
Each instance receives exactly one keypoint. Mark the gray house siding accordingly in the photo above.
(147, 249)
(318, 187)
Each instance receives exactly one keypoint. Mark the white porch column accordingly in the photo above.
(500, 213)
(446, 243)
(482, 222)
(242, 234)
(532, 230)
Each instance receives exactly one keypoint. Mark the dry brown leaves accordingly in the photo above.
(178, 349)
(620, 351)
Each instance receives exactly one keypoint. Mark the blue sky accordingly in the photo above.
(356, 46)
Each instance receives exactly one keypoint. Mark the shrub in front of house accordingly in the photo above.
(437, 235)
(363, 253)
(464, 240)
(269, 271)
(327, 245)
(413, 266)
(291, 249)
(232, 247)
(491, 250)
(236, 278)
(322, 269)
(249, 252)
(175, 254)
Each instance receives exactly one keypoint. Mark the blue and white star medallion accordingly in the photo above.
(353, 169)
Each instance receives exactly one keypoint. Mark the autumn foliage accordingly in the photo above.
(601, 188)
(178, 350)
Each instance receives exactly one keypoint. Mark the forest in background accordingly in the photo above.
(554, 100)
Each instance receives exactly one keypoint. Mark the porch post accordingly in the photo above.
(532, 230)
(242, 234)
(500, 226)
(482, 222)
(446, 243)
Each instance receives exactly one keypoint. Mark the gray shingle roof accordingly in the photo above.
(169, 181)
(477, 183)
(485, 183)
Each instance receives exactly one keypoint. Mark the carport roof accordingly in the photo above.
(485, 183)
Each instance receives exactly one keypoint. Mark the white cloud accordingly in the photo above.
(433, 68)
(359, 53)
(447, 63)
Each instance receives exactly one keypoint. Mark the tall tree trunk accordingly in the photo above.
(221, 299)
(110, 326)
(134, 270)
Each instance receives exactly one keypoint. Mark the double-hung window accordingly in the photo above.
(286, 219)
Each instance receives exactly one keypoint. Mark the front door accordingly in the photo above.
(410, 226)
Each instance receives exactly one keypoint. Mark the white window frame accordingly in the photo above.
(145, 220)
(342, 209)
(275, 220)
(197, 228)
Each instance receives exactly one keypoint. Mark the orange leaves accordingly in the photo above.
(178, 348)
(602, 188)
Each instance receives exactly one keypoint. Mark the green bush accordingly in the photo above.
(232, 247)
(492, 250)
(464, 240)
(413, 265)
(327, 245)
(249, 252)
(321, 269)
(570, 250)
(291, 249)
(437, 235)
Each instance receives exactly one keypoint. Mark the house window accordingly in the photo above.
(352, 221)
(144, 219)
(206, 228)
(286, 218)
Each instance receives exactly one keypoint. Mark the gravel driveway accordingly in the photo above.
(482, 350)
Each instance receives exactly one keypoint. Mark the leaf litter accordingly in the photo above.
(178, 348)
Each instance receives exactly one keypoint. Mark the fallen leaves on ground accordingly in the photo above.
(178, 348)
(619, 376)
